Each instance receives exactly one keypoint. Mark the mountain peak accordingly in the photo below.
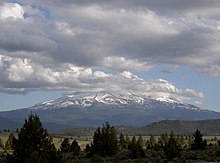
(87, 99)
(95, 108)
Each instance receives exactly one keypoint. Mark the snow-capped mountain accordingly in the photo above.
(96, 108)
(87, 99)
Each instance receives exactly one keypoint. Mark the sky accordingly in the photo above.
(152, 48)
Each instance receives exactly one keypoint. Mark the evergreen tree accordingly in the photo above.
(33, 143)
(122, 142)
(163, 139)
(2, 144)
(182, 141)
(151, 143)
(75, 148)
(105, 141)
(136, 149)
(88, 150)
(172, 148)
(140, 141)
(127, 141)
(65, 145)
(8, 143)
(198, 142)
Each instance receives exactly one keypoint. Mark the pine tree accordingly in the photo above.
(65, 145)
(127, 141)
(136, 149)
(75, 148)
(88, 150)
(33, 144)
(151, 143)
(172, 148)
(122, 142)
(140, 141)
(8, 143)
(105, 141)
(163, 140)
(1, 144)
(198, 142)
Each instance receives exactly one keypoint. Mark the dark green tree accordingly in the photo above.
(163, 139)
(65, 145)
(198, 142)
(140, 141)
(9, 142)
(105, 141)
(75, 148)
(151, 143)
(127, 141)
(2, 146)
(122, 141)
(136, 149)
(87, 150)
(172, 148)
(33, 144)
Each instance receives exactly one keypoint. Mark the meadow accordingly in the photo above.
(84, 140)
(153, 153)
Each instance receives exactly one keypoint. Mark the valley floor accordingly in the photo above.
(152, 155)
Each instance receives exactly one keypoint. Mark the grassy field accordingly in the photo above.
(84, 140)
(57, 140)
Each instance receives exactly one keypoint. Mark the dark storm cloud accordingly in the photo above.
(180, 4)
(88, 33)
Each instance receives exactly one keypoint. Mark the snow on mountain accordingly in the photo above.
(95, 108)
(87, 99)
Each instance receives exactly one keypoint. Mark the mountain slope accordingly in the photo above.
(9, 124)
(207, 127)
(178, 127)
(94, 108)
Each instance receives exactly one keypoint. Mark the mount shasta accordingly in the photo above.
(92, 109)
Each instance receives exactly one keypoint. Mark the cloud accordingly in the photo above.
(139, 34)
(11, 10)
(23, 75)
(211, 70)
(59, 45)
(122, 64)
(198, 102)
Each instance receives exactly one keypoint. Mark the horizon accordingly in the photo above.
(150, 48)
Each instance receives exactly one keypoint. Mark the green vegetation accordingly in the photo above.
(105, 141)
(65, 145)
(33, 144)
(198, 142)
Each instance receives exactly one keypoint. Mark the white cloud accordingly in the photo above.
(100, 74)
(211, 70)
(122, 64)
(24, 75)
(133, 36)
(59, 45)
(12, 10)
(198, 102)
(19, 70)
(65, 28)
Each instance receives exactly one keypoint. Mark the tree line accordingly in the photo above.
(33, 144)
